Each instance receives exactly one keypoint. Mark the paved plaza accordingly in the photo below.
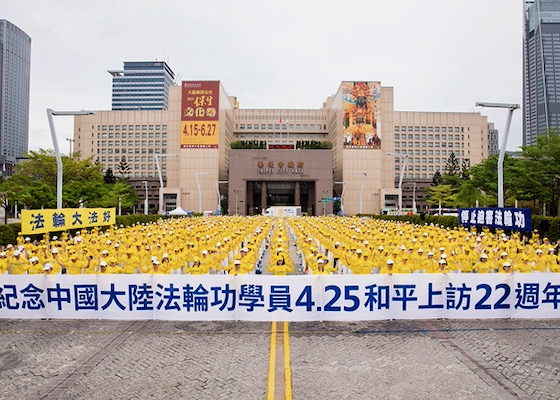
(472, 359)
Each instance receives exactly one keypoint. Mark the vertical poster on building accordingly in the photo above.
(361, 111)
(199, 114)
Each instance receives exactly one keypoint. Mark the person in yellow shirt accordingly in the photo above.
(237, 270)
(388, 268)
(321, 270)
(278, 266)
(483, 266)
(34, 266)
(506, 268)
(196, 268)
(18, 265)
(102, 267)
(4, 263)
(113, 267)
(540, 262)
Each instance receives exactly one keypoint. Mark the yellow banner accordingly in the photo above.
(199, 134)
(41, 221)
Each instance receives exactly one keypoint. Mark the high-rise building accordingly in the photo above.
(15, 70)
(541, 68)
(142, 85)
(493, 147)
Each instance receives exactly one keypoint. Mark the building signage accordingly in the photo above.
(361, 112)
(517, 219)
(280, 298)
(280, 167)
(200, 114)
(42, 221)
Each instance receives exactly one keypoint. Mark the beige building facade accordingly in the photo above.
(365, 142)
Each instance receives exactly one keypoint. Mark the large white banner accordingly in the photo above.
(281, 298)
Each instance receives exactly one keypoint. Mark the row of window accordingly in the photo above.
(424, 136)
(143, 143)
(276, 135)
(424, 160)
(131, 127)
(297, 127)
(136, 174)
(417, 175)
(431, 144)
(281, 117)
(131, 151)
(442, 129)
(431, 152)
(136, 135)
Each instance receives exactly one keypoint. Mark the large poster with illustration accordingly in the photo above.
(361, 110)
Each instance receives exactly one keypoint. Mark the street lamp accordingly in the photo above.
(161, 179)
(50, 114)
(511, 108)
(196, 175)
(146, 199)
(71, 141)
(341, 195)
(403, 166)
(362, 189)
(120, 209)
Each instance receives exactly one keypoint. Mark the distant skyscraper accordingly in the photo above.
(541, 68)
(142, 85)
(492, 139)
(15, 69)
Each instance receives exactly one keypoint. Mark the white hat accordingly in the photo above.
(108, 242)
(165, 255)
(337, 244)
(54, 250)
(539, 251)
(320, 260)
(117, 245)
(237, 262)
(27, 239)
(204, 251)
(279, 249)
(504, 254)
(403, 247)
(155, 261)
(104, 252)
(47, 266)
(103, 263)
(484, 255)
(359, 251)
(245, 249)
(33, 259)
(420, 250)
(55, 238)
(430, 253)
(380, 248)
(443, 256)
(366, 242)
(551, 249)
(17, 253)
(3, 254)
(507, 264)
(389, 261)
(442, 261)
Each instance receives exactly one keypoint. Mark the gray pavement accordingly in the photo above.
(473, 359)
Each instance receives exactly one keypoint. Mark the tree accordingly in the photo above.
(437, 179)
(123, 169)
(109, 178)
(33, 184)
(441, 194)
(465, 167)
(452, 166)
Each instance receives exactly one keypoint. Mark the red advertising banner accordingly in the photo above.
(199, 114)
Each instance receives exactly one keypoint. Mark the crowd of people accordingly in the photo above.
(308, 245)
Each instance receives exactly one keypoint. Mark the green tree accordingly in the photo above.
(123, 169)
(33, 184)
(452, 165)
(465, 169)
(441, 194)
(109, 178)
(437, 179)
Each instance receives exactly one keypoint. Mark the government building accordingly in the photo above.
(349, 153)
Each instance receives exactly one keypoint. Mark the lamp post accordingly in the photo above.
(401, 176)
(236, 191)
(71, 141)
(364, 174)
(50, 114)
(196, 175)
(120, 209)
(161, 208)
(146, 199)
(511, 108)
(341, 195)
(414, 198)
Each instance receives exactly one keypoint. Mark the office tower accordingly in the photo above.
(541, 68)
(142, 85)
(15, 68)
